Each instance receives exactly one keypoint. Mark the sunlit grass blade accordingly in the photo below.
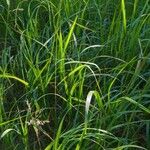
(14, 77)
(123, 8)
(70, 34)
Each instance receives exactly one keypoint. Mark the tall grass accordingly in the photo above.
(74, 74)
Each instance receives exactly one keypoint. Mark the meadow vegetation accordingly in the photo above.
(74, 74)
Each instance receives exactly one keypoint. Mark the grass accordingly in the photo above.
(74, 74)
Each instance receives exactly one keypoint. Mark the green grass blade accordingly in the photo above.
(14, 77)
(146, 110)
(70, 34)
(124, 15)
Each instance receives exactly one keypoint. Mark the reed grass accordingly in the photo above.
(74, 74)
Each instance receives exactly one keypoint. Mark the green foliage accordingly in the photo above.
(74, 74)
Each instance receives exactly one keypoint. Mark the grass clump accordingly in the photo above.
(74, 74)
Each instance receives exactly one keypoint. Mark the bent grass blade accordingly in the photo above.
(14, 77)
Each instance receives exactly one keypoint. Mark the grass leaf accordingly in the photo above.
(14, 77)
